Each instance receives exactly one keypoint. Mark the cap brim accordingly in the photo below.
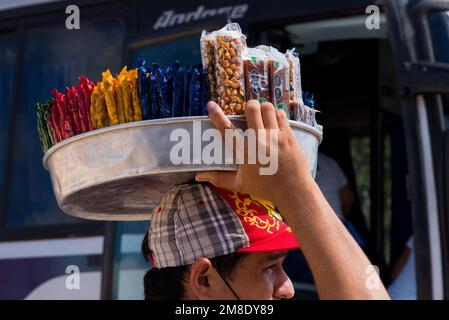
(283, 241)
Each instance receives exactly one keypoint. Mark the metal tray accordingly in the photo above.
(120, 172)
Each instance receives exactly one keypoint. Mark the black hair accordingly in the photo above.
(167, 283)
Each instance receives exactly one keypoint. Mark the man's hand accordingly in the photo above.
(293, 169)
(340, 268)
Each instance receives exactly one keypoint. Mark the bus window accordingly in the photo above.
(8, 54)
(53, 57)
(363, 125)
(129, 265)
(439, 21)
(168, 51)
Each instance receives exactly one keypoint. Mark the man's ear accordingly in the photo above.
(200, 278)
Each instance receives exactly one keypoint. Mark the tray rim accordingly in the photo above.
(316, 131)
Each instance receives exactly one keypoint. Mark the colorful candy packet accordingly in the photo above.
(72, 106)
(132, 79)
(195, 93)
(65, 120)
(43, 129)
(98, 107)
(109, 96)
(143, 89)
(186, 104)
(85, 91)
(310, 112)
(153, 91)
(163, 93)
(296, 102)
(118, 88)
(177, 89)
(205, 92)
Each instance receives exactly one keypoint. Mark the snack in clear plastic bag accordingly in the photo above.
(229, 46)
(207, 44)
(256, 75)
(296, 102)
(279, 78)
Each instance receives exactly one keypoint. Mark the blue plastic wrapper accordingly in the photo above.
(153, 91)
(177, 90)
(169, 75)
(163, 94)
(205, 92)
(143, 89)
(173, 91)
(309, 100)
(195, 93)
(186, 104)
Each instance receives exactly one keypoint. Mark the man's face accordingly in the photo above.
(261, 276)
(257, 276)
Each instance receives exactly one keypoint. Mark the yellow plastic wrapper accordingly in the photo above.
(109, 96)
(98, 109)
(119, 97)
(102, 108)
(93, 107)
(132, 75)
(125, 87)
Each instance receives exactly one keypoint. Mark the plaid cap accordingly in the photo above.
(199, 220)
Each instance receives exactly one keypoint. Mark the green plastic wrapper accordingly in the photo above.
(45, 136)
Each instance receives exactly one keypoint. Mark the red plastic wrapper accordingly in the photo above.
(63, 114)
(72, 106)
(53, 121)
(82, 111)
(86, 87)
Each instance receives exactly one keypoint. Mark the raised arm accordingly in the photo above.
(340, 268)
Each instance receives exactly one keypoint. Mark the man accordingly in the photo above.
(340, 268)
(335, 188)
(403, 286)
(232, 243)
(334, 185)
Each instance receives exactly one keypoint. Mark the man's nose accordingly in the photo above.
(284, 289)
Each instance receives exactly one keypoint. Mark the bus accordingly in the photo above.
(379, 72)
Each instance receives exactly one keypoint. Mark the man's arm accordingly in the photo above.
(347, 199)
(338, 264)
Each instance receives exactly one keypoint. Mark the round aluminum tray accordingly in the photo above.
(121, 172)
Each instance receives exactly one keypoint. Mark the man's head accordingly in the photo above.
(210, 243)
